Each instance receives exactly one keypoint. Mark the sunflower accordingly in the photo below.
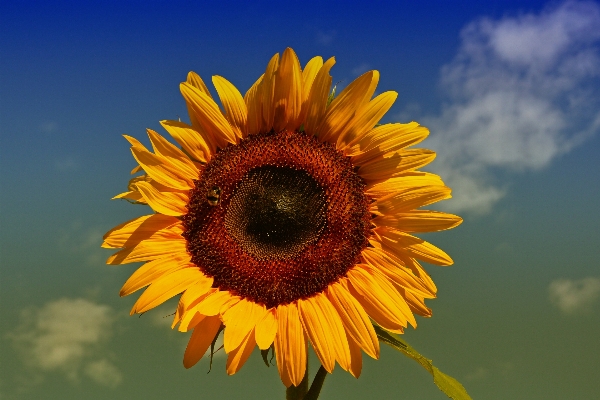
(285, 218)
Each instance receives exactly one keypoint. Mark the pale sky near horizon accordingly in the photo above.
(509, 89)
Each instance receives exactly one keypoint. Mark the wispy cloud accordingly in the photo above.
(84, 241)
(65, 164)
(360, 69)
(574, 296)
(479, 374)
(325, 38)
(104, 373)
(48, 127)
(66, 336)
(521, 92)
(495, 368)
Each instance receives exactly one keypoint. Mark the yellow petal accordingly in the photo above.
(203, 335)
(415, 302)
(238, 356)
(176, 157)
(159, 169)
(395, 246)
(420, 221)
(133, 231)
(171, 232)
(188, 316)
(410, 199)
(317, 329)
(236, 111)
(267, 93)
(149, 249)
(343, 108)
(287, 97)
(419, 271)
(134, 196)
(167, 203)
(290, 345)
(371, 138)
(355, 358)
(266, 329)
(195, 293)
(379, 298)
(385, 166)
(134, 142)
(254, 105)
(404, 243)
(217, 302)
(429, 253)
(393, 269)
(166, 287)
(381, 170)
(386, 138)
(309, 74)
(240, 319)
(369, 93)
(209, 116)
(194, 80)
(355, 319)
(366, 120)
(406, 181)
(316, 104)
(151, 271)
(325, 330)
(189, 139)
(134, 193)
(190, 319)
(197, 82)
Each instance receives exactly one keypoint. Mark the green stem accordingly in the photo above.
(315, 388)
(298, 392)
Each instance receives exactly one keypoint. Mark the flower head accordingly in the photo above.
(284, 220)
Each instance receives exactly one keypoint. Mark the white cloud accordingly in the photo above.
(496, 369)
(361, 69)
(48, 127)
(479, 374)
(574, 296)
(103, 373)
(83, 241)
(66, 164)
(325, 38)
(65, 336)
(523, 90)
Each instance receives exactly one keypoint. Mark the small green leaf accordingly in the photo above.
(212, 347)
(265, 356)
(332, 95)
(447, 384)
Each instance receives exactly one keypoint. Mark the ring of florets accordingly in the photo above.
(277, 217)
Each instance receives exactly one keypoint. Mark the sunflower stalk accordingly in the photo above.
(298, 392)
(315, 388)
(302, 392)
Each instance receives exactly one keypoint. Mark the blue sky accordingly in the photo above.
(510, 91)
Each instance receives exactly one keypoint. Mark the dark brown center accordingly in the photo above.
(291, 217)
(275, 212)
